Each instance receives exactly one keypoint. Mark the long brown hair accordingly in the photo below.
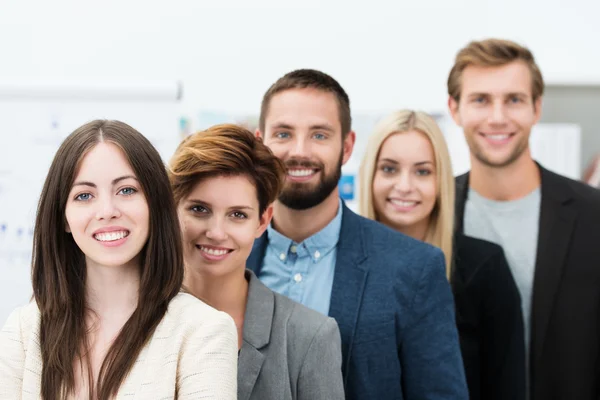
(59, 269)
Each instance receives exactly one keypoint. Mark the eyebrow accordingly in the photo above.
(477, 94)
(204, 203)
(321, 127)
(389, 160)
(114, 182)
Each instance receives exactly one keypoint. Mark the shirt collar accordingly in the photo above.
(318, 245)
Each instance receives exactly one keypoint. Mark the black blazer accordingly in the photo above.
(489, 320)
(565, 315)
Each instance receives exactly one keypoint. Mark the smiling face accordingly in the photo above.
(404, 184)
(220, 220)
(106, 211)
(303, 129)
(497, 112)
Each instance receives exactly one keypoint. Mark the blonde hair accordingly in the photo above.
(493, 53)
(441, 227)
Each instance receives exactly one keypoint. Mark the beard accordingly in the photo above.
(302, 196)
(514, 155)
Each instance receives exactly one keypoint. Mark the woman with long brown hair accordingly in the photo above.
(108, 320)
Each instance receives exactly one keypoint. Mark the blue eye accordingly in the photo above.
(319, 136)
(128, 191)
(423, 172)
(282, 135)
(515, 100)
(83, 197)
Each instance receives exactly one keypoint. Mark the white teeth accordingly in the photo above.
(110, 236)
(402, 203)
(498, 137)
(300, 172)
(214, 252)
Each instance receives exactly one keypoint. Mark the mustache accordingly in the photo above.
(295, 163)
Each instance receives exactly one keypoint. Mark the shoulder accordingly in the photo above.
(472, 253)
(583, 193)
(377, 236)
(25, 319)
(191, 314)
(302, 323)
(481, 264)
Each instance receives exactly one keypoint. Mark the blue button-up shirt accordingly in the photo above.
(303, 271)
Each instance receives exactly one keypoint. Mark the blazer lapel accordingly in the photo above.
(348, 281)
(257, 334)
(557, 220)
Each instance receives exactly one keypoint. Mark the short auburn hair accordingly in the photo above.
(226, 150)
(313, 79)
(493, 53)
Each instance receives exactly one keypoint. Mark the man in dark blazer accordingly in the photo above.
(387, 292)
(549, 225)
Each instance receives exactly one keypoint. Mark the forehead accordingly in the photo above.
(407, 147)
(302, 108)
(514, 77)
(104, 161)
(225, 191)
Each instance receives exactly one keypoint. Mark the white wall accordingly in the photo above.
(386, 54)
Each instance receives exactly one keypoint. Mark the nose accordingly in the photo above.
(216, 230)
(404, 183)
(300, 148)
(107, 208)
(498, 115)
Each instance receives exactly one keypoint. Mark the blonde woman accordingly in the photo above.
(407, 184)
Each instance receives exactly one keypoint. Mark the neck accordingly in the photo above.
(507, 183)
(112, 292)
(299, 225)
(226, 293)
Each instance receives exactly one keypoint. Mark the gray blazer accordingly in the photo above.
(289, 351)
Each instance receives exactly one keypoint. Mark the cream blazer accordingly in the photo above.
(191, 355)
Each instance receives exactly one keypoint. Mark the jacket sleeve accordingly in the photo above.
(503, 375)
(12, 357)
(428, 348)
(321, 372)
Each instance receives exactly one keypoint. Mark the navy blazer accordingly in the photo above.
(395, 311)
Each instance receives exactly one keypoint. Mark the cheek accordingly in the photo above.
(381, 188)
(191, 228)
(429, 191)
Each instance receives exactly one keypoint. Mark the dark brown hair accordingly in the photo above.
(59, 269)
(493, 53)
(309, 78)
(228, 150)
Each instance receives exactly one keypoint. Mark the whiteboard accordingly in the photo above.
(34, 120)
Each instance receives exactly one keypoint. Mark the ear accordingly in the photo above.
(348, 146)
(265, 220)
(67, 227)
(453, 107)
(258, 134)
(537, 108)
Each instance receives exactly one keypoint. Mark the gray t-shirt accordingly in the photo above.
(514, 226)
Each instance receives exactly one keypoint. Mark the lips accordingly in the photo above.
(111, 234)
(497, 138)
(213, 253)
